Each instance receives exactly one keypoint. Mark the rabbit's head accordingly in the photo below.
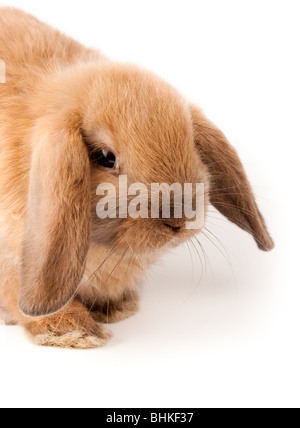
(98, 125)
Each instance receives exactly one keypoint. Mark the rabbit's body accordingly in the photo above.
(54, 253)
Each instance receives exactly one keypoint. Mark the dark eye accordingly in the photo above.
(105, 159)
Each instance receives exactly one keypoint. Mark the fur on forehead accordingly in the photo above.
(134, 95)
(134, 111)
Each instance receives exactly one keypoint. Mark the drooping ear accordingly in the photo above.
(230, 191)
(57, 232)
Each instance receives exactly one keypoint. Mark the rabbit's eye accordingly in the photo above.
(105, 159)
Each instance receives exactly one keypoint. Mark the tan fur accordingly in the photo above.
(73, 340)
(72, 328)
(61, 102)
(6, 317)
(118, 310)
(58, 195)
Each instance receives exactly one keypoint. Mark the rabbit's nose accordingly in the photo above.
(175, 224)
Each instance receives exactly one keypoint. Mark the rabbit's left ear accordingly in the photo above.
(57, 232)
(230, 190)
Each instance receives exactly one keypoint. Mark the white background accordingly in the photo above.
(233, 339)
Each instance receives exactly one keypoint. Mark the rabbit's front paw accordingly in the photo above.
(71, 328)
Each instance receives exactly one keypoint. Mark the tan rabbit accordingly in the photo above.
(69, 120)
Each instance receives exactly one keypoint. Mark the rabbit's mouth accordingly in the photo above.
(141, 236)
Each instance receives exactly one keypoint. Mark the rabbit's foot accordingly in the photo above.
(6, 317)
(117, 310)
(70, 328)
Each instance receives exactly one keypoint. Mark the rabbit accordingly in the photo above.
(70, 119)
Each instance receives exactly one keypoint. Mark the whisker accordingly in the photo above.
(223, 251)
(207, 259)
(116, 266)
(203, 252)
(201, 261)
(226, 255)
(192, 261)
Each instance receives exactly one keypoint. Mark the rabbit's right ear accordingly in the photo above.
(57, 232)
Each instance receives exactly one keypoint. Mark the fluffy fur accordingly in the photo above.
(61, 268)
